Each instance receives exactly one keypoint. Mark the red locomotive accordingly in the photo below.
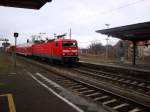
(60, 49)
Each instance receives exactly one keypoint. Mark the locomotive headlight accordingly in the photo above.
(66, 51)
(76, 53)
(63, 54)
(74, 50)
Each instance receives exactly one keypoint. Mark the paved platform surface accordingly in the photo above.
(19, 92)
(140, 67)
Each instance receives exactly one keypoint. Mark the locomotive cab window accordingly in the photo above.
(69, 44)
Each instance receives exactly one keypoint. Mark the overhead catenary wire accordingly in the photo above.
(122, 7)
(128, 4)
(97, 40)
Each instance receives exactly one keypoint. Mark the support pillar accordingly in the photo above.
(134, 53)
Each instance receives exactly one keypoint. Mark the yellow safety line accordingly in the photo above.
(10, 102)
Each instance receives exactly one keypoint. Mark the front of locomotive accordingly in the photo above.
(69, 51)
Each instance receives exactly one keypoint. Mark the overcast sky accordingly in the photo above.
(83, 16)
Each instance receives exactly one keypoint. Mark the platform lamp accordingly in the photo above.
(15, 36)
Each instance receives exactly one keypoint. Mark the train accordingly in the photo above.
(55, 50)
(10, 49)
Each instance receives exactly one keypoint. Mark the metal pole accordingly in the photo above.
(70, 33)
(15, 36)
(107, 25)
(134, 53)
(15, 63)
(107, 48)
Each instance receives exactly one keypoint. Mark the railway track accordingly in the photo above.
(124, 81)
(114, 102)
(98, 95)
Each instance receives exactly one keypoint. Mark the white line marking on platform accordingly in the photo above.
(51, 90)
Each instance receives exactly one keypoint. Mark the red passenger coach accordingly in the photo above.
(25, 49)
(63, 50)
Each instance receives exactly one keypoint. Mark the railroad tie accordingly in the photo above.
(78, 89)
(135, 110)
(120, 106)
(93, 94)
(83, 92)
(73, 84)
(99, 98)
(110, 101)
(76, 86)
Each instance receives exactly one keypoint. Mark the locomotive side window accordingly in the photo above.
(69, 44)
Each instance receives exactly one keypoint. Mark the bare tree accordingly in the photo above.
(96, 48)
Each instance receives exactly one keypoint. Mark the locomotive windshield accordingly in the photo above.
(69, 44)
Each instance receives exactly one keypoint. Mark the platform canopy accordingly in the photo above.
(134, 32)
(30, 4)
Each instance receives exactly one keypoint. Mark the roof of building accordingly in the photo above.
(134, 32)
(30, 4)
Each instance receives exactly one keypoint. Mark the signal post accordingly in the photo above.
(15, 36)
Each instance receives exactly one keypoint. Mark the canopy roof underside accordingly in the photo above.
(135, 32)
(30, 4)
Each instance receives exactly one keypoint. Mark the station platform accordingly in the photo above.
(20, 93)
(127, 65)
